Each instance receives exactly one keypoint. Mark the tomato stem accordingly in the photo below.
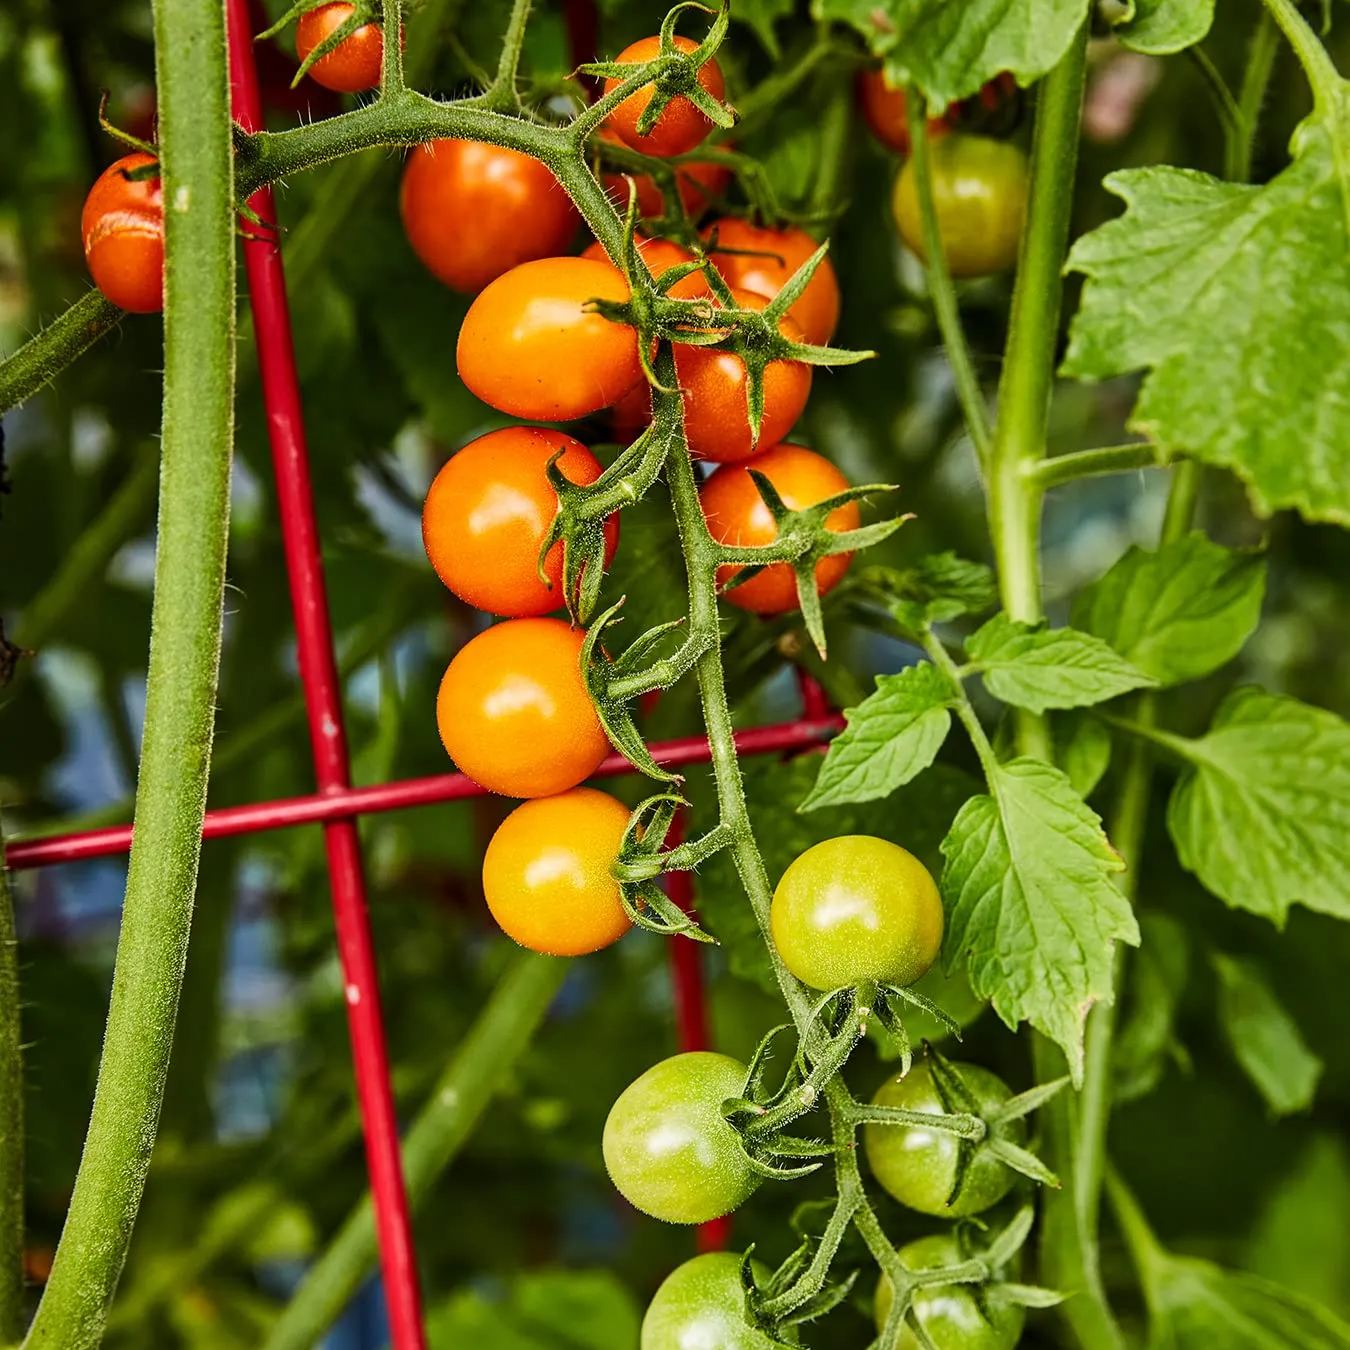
(181, 683)
(1063, 469)
(45, 355)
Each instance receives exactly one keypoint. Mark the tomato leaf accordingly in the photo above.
(1262, 816)
(761, 15)
(1155, 979)
(1031, 905)
(952, 49)
(892, 736)
(1082, 749)
(1040, 668)
(936, 589)
(1233, 298)
(1160, 27)
(1179, 613)
(1265, 1038)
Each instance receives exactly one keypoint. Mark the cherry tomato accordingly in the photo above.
(918, 1167)
(668, 1149)
(857, 908)
(660, 255)
(950, 1314)
(681, 126)
(765, 259)
(529, 348)
(472, 211)
(354, 64)
(715, 387)
(699, 184)
(546, 873)
(736, 514)
(701, 1306)
(883, 108)
(514, 713)
(123, 229)
(487, 513)
(980, 192)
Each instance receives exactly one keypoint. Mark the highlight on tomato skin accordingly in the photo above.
(354, 65)
(122, 226)
(681, 126)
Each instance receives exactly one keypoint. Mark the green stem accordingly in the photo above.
(503, 95)
(1255, 81)
(1062, 469)
(181, 683)
(482, 1062)
(1317, 64)
(836, 129)
(948, 313)
(11, 1122)
(391, 61)
(44, 356)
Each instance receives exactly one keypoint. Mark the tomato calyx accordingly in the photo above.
(110, 128)
(673, 73)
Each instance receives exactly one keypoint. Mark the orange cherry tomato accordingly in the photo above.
(699, 184)
(681, 126)
(488, 511)
(472, 211)
(354, 64)
(530, 348)
(514, 713)
(764, 260)
(631, 413)
(883, 108)
(660, 255)
(737, 515)
(714, 385)
(546, 873)
(123, 229)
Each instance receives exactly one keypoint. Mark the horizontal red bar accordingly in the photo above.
(346, 803)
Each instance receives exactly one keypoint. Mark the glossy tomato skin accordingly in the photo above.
(980, 192)
(660, 255)
(715, 386)
(487, 513)
(681, 126)
(354, 64)
(700, 1306)
(950, 1314)
(699, 184)
(918, 1167)
(529, 348)
(514, 713)
(736, 514)
(884, 110)
(764, 261)
(123, 229)
(668, 1149)
(857, 908)
(472, 211)
(546, 873)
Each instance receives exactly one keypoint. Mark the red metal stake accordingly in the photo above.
(318, 674)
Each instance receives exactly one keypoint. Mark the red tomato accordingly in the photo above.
(354, 64)
(765, 259)
(514, 713)
(546, 873)
(681, 126)
(123, 229)
(699, 184)
(660, 255)
(529, 347)
(714, 384)
(632, 412)
(737, 515)
(488, 511)
(472, 211)
(883, 108)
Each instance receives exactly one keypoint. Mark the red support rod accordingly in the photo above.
(347, 803)
(323, 705)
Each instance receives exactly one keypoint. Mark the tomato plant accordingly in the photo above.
(1022, 721)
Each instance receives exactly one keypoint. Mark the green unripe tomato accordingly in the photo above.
(980, 193)
(918, 1166)
(700, 1306)
(949, 1313)
(668, 1148)
(857, 908)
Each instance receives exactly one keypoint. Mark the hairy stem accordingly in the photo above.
(44, 356)
(11, 1122)
(181, 684)
(1108, 459)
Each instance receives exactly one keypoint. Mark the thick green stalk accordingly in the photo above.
(482, 1062)
(1108, 459)
(45, 355)
(184, 659)
(11, 1122)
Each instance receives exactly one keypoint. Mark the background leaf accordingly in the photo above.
(1160, 27)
